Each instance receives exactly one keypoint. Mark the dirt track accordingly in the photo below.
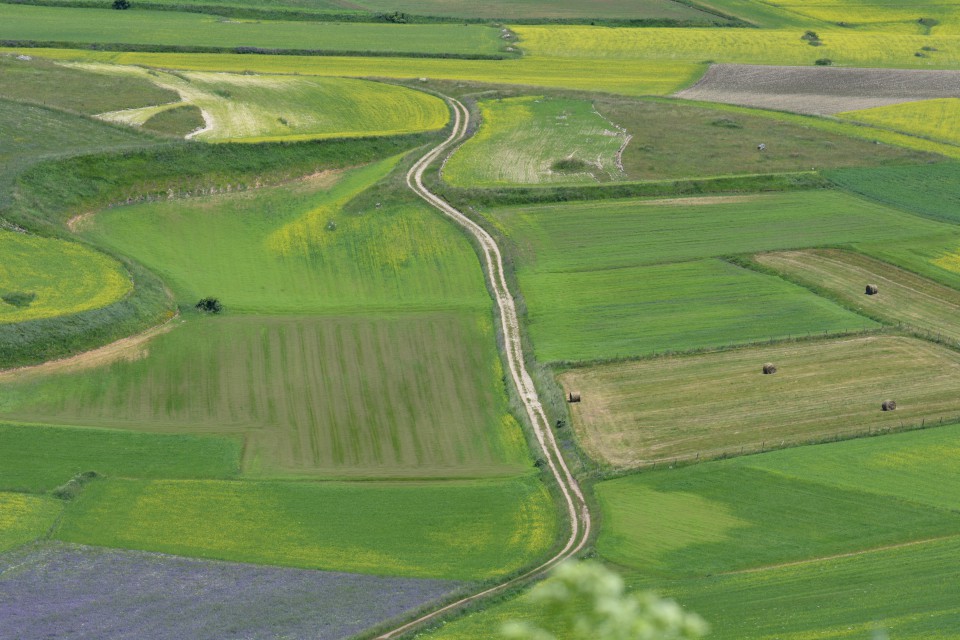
(576, 506)
(819, 90)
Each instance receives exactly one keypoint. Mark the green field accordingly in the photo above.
(598, 281)
(904, 297)
(272, 250)
(534, 140)
(55, 278)
(254, 108)
(680, 140)
(930, 191)
(59, 24)
(933, 119)
(42, 82)
(178, 121)
(720, 403)
(461, 531)
(604, 234)
(627, 77)
(635, 311)
(411, 395)
(39, 458)
(747, 46)
(24, 518)
(854, 537)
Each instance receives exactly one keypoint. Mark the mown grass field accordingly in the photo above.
(275, 250)
(410, 395)
(747, 46)
(62, 24)
(934, 119)
(636, 311)
(627, 77)
(621, 278)
(720, 403)
(463, 531)
(855, 537)
(522, 140)
(602, 234)
(681, 140)
(929, 191)
(269, 108)
(24, 518)
(55, 278)
(904, 298)
(39, 458)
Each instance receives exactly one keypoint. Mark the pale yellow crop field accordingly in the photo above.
(934, 119)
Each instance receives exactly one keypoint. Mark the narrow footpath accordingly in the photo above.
(575, 506)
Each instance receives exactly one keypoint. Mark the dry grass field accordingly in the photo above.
(819, 90)
(634, 413)
(903, 296)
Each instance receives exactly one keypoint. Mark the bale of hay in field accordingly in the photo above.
(769, 368)
(872, 290)
(573, 397)
(889, 405)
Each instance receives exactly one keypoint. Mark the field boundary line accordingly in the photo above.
(838, 556)
(576, 507)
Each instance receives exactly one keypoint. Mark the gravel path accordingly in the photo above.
(577, 511)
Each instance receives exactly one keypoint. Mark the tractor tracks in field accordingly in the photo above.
(575, 505)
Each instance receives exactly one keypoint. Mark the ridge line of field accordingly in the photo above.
(838, 556)
(577, 509)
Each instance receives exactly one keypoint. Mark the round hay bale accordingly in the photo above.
(872, 290)
(889, 405)
(573, 397)
(769, 368)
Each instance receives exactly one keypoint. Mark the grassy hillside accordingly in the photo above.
(42, 82)
(721, 403)
(463, 531)
(45, 278)
(40, 458)
(534, 140)
(59, 24)
(254, 108)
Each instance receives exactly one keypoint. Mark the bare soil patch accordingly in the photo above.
(819, 90)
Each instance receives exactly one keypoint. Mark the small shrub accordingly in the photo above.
(19, 298)
(209, 305)
(72, 488)
(823, 62)
(812, 38)
(283, 121)
(727, 123)
(331, 226)
(223, 93)
(121, 5)
(569, 165)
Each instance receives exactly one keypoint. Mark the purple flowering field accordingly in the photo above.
(71, 591)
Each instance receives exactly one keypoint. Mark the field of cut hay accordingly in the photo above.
(720, 403)
(460, 531)
(934, 119)
(88, 25)
(254, 108)
(903, 298)
(535, 140)
(627, 77)
(45, 278)
(819, 90)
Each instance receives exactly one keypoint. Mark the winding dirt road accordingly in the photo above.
(577, 511)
